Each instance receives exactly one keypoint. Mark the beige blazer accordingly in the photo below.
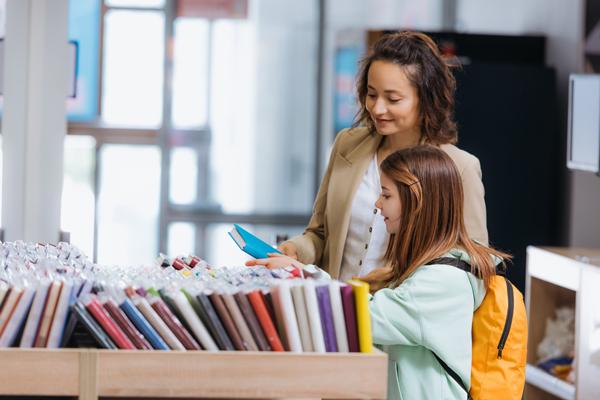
(323, 240)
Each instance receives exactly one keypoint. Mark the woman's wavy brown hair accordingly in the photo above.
(431, 201)
(424, 66)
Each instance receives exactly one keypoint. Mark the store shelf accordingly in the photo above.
(90, 373)
(548, 383)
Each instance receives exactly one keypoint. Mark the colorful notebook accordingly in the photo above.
(284, 307)
(301, 315)
(157, 322)
(18, 318)
(196, 325)
(35, 314)
(173, 322)
(120, 318)
(227, 319)
(314, 316)
(9, 306)
(60, 315)
(258, 304)
(92, 326)
(326, 317)
(338, 316)
(212, 322)
(136, 317)
(240, 322)
(251, 244)
(363, 316)
(252, 321)
(350, 317)
(106, 322)
(41, 337)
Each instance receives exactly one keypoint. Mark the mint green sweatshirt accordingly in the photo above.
(432, 310)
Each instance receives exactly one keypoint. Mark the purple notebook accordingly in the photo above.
(350, 317)
(326, 318)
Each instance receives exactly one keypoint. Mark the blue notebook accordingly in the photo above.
(250, 243)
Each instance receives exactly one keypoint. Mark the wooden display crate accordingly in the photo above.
(91, 373)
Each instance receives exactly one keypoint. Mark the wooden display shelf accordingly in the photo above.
(90, 373)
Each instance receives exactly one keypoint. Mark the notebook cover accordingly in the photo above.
(79, 288)
(143, 326)
(277, 320)
(282, 300)
(170, 303)
(301, 315)
(173, 323)
(363, 316)
(257, 335)
(10, 304)
(254, 246)
(238, 319)
(258, 304)
(226, 318)
(212, 322)
(41, 337)
(314, 316)
(326, 317)
(337, 311)
(35, 314)
(92, 326)
(157, 323)
(350, 317)
(126, 325)
(60, 315)
(106, 322)
(3, 291)
(197, 327)
(18, 318)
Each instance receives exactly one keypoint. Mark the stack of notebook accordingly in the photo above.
(52, 299)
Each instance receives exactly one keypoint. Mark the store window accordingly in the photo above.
(78, 201)
(128, 204)
(225, 134)
(133, 68)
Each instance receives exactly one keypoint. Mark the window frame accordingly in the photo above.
(199, 213)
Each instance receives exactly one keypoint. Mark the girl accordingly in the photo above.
(424, 309)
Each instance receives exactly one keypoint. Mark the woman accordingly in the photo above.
(426, 308)
(405, 91)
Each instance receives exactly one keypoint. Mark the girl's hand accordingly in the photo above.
(274, 261)
(289, 249)
(378, 278)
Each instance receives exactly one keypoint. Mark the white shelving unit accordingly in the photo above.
(558, 277)
(557, 387)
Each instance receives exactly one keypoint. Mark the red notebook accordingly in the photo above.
(126, 326)
(173, 323)
(265, 320)
(106, 322)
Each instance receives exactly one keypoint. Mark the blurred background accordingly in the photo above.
(187, 116)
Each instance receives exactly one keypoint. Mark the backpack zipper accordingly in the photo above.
(509, 317)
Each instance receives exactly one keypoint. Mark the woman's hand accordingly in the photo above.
(274, 261)
(289, 249)
(377, 278)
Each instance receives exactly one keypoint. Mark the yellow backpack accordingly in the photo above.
(499, 340)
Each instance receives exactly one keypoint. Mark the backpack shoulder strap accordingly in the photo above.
(462, 264)
(454, 375)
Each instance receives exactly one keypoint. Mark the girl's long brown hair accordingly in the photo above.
(431, 218)
(429, 73)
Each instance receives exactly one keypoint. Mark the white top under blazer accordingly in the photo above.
(367, 237)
